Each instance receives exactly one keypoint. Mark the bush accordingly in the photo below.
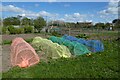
(6, 42)
(28, 29)
(82, 36)
(55, 33)
(12, 29)
(19, 30)
(0, 29)
(29, 40)
(4, 29)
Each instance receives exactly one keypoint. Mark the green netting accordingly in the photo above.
(74, 47)
(50, 49)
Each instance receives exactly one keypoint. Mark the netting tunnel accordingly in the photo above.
(22, 53)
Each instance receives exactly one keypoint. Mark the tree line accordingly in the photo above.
(25, 24)
(115, 24)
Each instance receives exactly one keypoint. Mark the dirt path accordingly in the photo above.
(24, 36)
(0, 59)
(6, 58)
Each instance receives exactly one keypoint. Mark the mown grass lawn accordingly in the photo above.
(98, 65)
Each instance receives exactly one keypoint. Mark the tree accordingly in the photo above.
(11, 21)
(4, 29)
(19, 30)
(28, 29)
(107, 25)
(26, 21)
(12, 30)
(100, 25)
(39, 23)
(116, 23)
(77, 25)
(116, 20)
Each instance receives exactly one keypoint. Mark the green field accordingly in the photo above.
(98, 65)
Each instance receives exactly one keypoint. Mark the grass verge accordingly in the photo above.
(9, 41)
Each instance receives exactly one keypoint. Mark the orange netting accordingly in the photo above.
(22, 53)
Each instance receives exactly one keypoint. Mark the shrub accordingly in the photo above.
(19, 30)
(4, 29)
(82, 36)
(55, 33)
(12, 29)
(0, 29)
(6, 42)
(28, 29)
(29, 40)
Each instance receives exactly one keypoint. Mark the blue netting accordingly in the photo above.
(93, 45)
(74, 47)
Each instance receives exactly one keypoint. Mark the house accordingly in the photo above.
(85, 24)
(111, 26)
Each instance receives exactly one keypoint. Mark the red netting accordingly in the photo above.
(22, 53)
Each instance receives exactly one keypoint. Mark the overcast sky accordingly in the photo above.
(66, 11)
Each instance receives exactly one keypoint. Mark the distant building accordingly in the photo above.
(16, 26)
(50, 29)
(111, 26)
(44, 29)
(85, 24)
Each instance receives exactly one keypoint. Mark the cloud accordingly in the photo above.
(50, 16)
(62, 19)
(11, 8)
(88, 20)
(111, 12)
(44, 13)
(18, 10)
(75, 17)
(27, 13)
(112, 8)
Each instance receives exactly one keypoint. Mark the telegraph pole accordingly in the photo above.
(46, 22)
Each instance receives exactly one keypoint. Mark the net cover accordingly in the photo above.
(93, 45)
(74, 47)
(23, 54)
(50, 49)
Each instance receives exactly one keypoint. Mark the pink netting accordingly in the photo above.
(22, 53)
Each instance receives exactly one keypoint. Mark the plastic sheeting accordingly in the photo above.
(50, 49)
(74, 47)
(93, 45)
(22, 53)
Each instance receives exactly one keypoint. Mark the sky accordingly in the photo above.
(64, 11)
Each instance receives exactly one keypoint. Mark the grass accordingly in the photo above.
(6, 42)
(98, 65)
(9, 41)
(106, 33)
